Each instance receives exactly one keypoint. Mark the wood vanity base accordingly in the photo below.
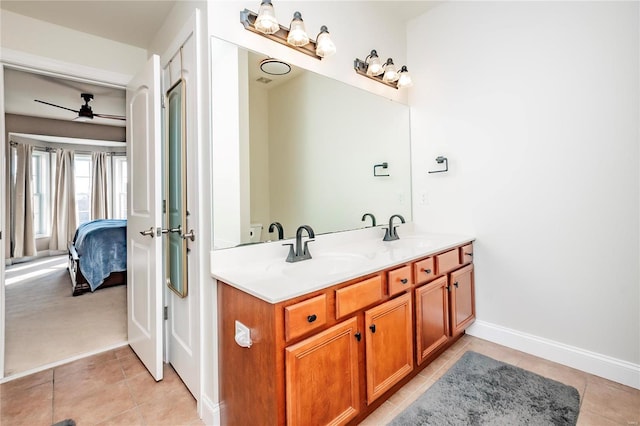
(335, 355)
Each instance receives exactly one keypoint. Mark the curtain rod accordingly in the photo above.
(49, 149)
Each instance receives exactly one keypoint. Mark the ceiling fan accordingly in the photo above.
(85, 113)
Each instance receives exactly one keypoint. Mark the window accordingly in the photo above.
(82, 169)
(40, 183)
(119, 187)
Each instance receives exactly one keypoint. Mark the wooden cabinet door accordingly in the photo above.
(389, 345)
(463, 305)
(322, 377)
(432, 317)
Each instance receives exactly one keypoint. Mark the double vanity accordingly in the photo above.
(328, 339)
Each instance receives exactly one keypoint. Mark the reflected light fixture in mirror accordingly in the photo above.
(265, 24)
(386, 74)
(374, 67)
(390, 72)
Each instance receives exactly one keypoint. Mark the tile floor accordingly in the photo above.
(602, 402)
(113, 388)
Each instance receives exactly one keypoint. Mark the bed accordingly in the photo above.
(98, 255)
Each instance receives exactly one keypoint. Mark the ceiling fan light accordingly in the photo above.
(82, 119)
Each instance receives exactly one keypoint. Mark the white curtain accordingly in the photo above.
(99, 190)
(64, 202)
(24, 234)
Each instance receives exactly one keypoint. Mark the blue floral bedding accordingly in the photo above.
(102, 249)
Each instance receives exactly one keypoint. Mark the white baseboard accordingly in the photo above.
(605, 366)
(210, 412)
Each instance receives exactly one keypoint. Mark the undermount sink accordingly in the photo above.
(321, 264)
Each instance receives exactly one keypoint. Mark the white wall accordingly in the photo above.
(536, 105)
(31, 36)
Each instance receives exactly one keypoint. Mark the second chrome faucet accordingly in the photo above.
(300, 252)
(390, 233)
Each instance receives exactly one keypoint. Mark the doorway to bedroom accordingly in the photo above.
(47, 200)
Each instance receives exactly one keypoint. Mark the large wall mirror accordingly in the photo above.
(313, 147)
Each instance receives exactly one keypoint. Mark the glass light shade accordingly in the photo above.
(375, 67)
(266, 21)
(404, 79)
(390, 72)
(297, 35)
(324, 44)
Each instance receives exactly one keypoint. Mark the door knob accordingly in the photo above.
(149, 232)
(190, 235)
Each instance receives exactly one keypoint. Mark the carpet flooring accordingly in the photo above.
(46, 324)
(479, 390)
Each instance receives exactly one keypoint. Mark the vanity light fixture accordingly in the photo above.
(297, 34)
(265, 24)
(404, 79)
(266, 21)
(386, 74)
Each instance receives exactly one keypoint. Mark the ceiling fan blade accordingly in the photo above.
(57, 106)
(113, 117)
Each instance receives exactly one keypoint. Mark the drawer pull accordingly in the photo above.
(427, 271)
(469, 254)
(404, 280)
(372, 327)
(312, 318)
(455, 284)
(358, 336)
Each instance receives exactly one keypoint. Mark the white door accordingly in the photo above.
(4, 231)
(183, 325)
(144, 218)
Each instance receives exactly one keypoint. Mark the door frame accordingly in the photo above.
(45, 66)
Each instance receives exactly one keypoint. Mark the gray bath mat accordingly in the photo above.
(479, 390)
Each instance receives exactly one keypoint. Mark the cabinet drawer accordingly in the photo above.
(357, 296)
(466, 254)
(400, 280)
(424, 270)
(305, 316)
(447, 261)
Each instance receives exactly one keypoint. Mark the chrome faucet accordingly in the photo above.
(390, 232)
(300, 252)
(373, 218)
(280, 230)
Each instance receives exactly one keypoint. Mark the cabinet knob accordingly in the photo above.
(427, 271)
(455, 284)
(358, 336)
(312, 318)
(469, 254)
(448, 288)
(404, 281)
(372, 327)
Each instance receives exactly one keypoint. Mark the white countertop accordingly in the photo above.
(261, 269)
